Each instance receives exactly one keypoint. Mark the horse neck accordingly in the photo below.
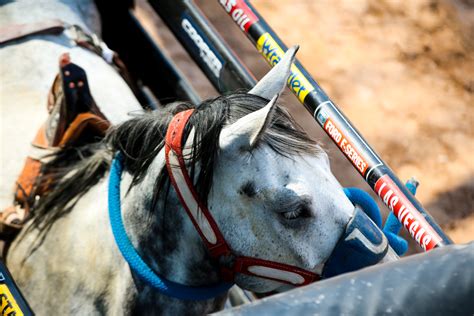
(83, 13)
(164, 236)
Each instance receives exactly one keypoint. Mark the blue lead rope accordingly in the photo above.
(134, 260)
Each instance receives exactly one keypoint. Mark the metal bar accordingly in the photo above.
(12, 301)
(421, 226)
(210, 52)
(124, 33)
(226, 73)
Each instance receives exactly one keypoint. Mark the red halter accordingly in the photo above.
(206, 225)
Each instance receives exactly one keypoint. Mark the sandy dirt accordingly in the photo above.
(402, 71)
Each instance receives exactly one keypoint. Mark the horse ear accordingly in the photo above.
(247, 131)
(275, 80)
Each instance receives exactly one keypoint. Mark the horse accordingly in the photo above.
(29, 66)
(267, 185)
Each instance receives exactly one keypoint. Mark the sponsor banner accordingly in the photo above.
(346, 146)
(406, 213)
(208, 54)
(272, 52)
(8, 305)
(240, 13)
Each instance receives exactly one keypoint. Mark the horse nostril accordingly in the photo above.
(305, 212)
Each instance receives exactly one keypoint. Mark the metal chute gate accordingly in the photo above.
(159, 80)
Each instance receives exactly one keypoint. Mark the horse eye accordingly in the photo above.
(300, 212)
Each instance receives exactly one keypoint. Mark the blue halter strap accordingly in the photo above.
(134, 260)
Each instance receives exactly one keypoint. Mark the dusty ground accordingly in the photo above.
(402, 71)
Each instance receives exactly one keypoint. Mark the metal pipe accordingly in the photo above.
(12, 301)
(421, 226)
(226, 72)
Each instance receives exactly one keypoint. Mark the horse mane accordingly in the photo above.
(73, 171)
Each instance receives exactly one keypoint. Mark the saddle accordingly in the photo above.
(74, 120)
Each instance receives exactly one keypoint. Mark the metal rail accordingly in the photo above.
(205, 46)
(145, 60)
(226, 72)
(409, 211)
(12, 301)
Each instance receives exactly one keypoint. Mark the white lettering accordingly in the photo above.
(387, 196)
(426, 241)
(407, 218)
(413, 227)
(401, 213)
(419, 234)
(205, 52)
(227, 4)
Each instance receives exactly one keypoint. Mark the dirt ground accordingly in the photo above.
(402, 71)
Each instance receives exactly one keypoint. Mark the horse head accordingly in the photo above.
(274, 195)
(267, 188)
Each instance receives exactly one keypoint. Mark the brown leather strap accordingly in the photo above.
(19, 31)
(27, 183)
(84, 121)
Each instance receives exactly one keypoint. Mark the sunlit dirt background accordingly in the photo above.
(402, 71)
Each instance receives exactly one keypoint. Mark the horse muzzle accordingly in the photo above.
(362, 244)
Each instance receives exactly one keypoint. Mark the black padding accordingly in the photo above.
(440, 282)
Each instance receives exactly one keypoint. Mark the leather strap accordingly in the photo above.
(206, 225)
(28, 183)
(84, 121)
(76, 118)
(197, 211)
(18, 31)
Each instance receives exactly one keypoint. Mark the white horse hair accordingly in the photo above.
(268, 186)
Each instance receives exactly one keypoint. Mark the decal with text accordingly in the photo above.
(210, 58)
(406, 213)
(240, 13)
(272, 52)
(8, 305)
(346, 146)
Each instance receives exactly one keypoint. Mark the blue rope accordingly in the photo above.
(134, 260)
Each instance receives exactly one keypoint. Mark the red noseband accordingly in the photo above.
(205, 223)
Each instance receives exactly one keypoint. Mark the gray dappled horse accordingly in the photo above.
(28, 68)
(266, 184)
